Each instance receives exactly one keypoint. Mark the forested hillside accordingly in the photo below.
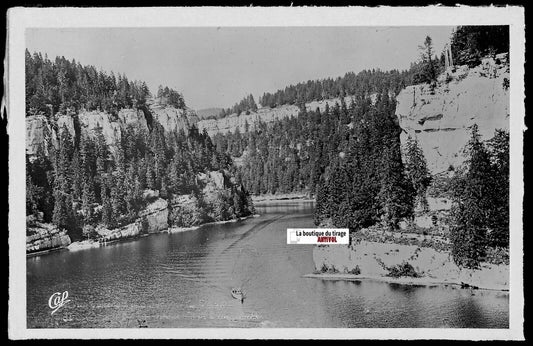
(361, 84)
(79, 182)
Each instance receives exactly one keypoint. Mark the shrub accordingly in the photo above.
(355, 271)
(89, 232)
(324, 268)
(506, 83)
(404, 269)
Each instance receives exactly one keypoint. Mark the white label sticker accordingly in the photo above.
(318, 236)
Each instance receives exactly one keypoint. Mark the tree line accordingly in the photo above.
(362, 84)
(480, 194)
(60, 85)
(247, 104)
(471, 43)
(171, 97)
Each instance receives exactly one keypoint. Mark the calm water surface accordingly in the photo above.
(184, 280)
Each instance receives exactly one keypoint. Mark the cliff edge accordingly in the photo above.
(440, 118)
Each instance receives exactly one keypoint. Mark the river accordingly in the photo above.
(184, 280)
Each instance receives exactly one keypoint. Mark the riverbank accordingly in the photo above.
(381, 261)
(186, 229)
(293, 196)
(92, 243)
(422, 281)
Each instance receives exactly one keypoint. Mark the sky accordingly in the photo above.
(217, 67)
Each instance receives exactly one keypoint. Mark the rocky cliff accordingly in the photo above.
(441, 118)
(152, 219)
(42, 237)
(264, 114)
(42, 131)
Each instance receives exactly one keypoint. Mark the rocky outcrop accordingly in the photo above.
(44, 237)
(38, 134)
(173, 119)
(42, 131)
(264, 114)
(233, 122)
(131, 230)
(152, 219)
(441, 119)
(214, 180)
(155, 216)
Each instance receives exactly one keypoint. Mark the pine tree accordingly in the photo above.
(473, 195)
(87, 201)
(498, 147)
(108, 216)
(427, 72)
(63, 215)
(32, 196)
(238, 206)
(416, 171)
(77, 178)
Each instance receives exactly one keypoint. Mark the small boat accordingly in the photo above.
(237, 293)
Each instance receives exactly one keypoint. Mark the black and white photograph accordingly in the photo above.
(221, 172)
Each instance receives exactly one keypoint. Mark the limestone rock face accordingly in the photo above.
(441, 119)
(233, 122)
(264, 114)
(156, 216)
(64, 122)
(152, 219)
(45, 237)
(173, 119)
(38, 134)
(214, 180)
(93, 122)
(129, 231)
(42, 131)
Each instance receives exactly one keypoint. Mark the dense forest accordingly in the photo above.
(363, 84)
(349, 156)
(56, 86)
(470, 43)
